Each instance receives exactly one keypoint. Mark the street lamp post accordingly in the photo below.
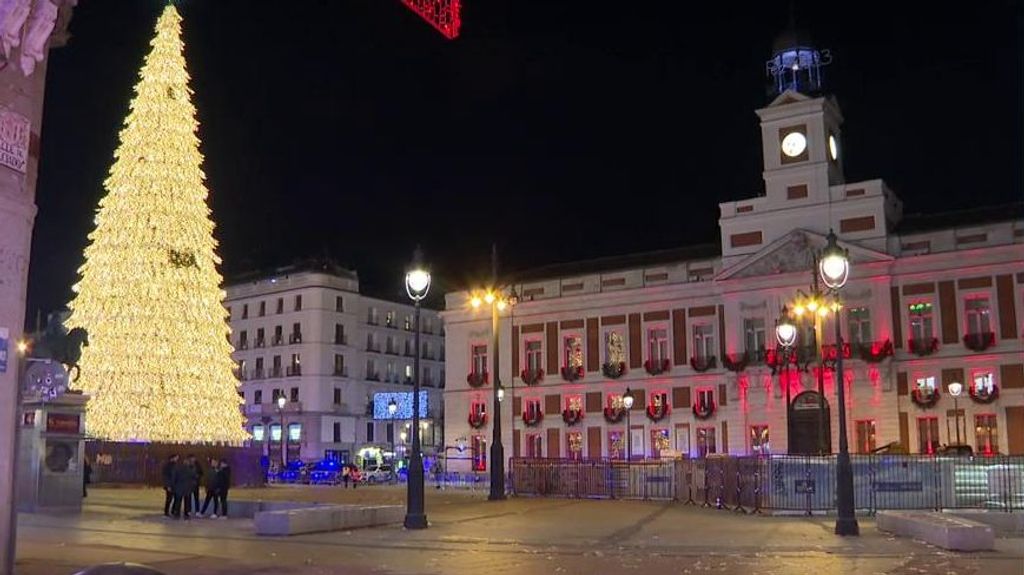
(282, 401)
(392, 410)
(834, 267)
(955, 389)
(627, 402)
(785, 333)
(417, 284)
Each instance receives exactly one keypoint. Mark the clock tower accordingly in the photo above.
(802, 153)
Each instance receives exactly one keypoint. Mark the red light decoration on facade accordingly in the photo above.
(445, 15)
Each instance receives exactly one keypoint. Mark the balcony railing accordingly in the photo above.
(370, 376)
(979, 341)
(373, 348)
(340, 372)
(343, 340)
(243, 344)
(276, 371)
(923, 347)
(277, 340)
(295, 338)
(391, 351)
(257, 373)
(372, 321)
(294, 370)
(260, 342)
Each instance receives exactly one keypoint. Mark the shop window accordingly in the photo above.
(706, 443)
(865, 435)
(660, 442)
(574, 442)
(759, 440)
(616, 444)
(986, 431)
(927, 434)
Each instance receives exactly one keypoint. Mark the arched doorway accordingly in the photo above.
(807, 430)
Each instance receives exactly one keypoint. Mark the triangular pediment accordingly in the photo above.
(788, 97)
(795, 252)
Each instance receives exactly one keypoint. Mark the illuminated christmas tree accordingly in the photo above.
(159, 364)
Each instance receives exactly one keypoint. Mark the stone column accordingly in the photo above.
(22, 83)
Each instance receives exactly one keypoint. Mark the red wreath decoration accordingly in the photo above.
(614, 370)
(704, 410)
(531, 376)
(538, 415)
(476, 379)
(657, 413)
(572, 373)
(572, 416)
(923, 398)
(923, 347)
(979, 341)
(983, 396)
(477, 420)
(657, 367)
(876, 352)
(735, 362)
(614, 414)
(704, 364)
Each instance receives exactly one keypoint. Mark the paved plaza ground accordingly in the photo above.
(470, 535)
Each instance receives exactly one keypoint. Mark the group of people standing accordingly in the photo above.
(182, 478)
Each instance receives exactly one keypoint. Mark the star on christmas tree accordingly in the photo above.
(159, 364)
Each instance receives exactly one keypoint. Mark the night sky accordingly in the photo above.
(560, 130)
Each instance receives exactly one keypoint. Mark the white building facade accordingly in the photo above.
(305, 332)
(691, 332)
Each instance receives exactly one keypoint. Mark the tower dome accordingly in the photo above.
(796, 63)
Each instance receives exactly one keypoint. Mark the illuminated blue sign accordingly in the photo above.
(403, 399)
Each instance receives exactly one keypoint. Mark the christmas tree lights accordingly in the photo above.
(158, 365)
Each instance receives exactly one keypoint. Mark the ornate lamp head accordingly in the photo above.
(834, 265)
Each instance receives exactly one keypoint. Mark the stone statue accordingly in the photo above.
(37, 32)
(13, 14)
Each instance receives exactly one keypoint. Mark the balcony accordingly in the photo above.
(873, 351)
(343, 340)
(372, 321)
(373, 348)
(295, 338)
(428, 355)
(257, 373)
(260, 342)
(243, 344)
(276, 371)
(242, 374)
(979, 341)
(372, 376)
(702, 363)
(923, 347)
(294, 370)
(277, 340)
(391, 351)
(340, 372)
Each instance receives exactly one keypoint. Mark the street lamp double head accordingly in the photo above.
(785, 330)
(417, 284)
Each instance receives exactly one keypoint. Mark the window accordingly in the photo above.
(298, 302)
(534, 356)
(243, 339)
(865, 432)
(339, 334)
(706, 443)
(296, 366)
(927, 434)
(245, 311)
(987, 433)
(294, 394)
(258, 372)
(479, 366)
(926, 384)
(337, 396)
(408, 371)
(263, 308)
(257, 432)
(257, 397)
(280, 305)
(703, 341)
(389, 372)
(574, 403)
(389, 319)
(275, 432)
(479, 446)
(753, 335)
(614, 348)
(531, 410)
(533, 445)
(371, 316)
(276, 367)
(978, 315)
(657, 345)
(261, 337)
(369, 431)
(339, 304)
(984, 384)
(572, 352)
(294, 431)
(339, 365)
(278, 335)
(427, 378)
(705, 398)
(921, 321)
(659, 442)
(389, 432)
(296, 336)
(337, 432)
(371, 370)
(615, 401)
(858, 321)
(616, 444)
(408, 323)
(759, 440)
(390, 346)
(574, 443)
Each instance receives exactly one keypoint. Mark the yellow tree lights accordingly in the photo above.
(158, 365)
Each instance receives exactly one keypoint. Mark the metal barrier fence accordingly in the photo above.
(783, 482)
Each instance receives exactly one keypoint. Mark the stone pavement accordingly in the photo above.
(469, 534)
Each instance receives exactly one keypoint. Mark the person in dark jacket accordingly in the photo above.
(223, 485)
(168, 475)
(199, 481)
(212, 481)
(183, 483)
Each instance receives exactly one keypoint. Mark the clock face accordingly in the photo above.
(833, 147)
(794, 144)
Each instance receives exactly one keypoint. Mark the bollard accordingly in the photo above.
(120, 569)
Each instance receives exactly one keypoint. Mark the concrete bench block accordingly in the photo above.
(1001, 521)
(325, 518)
(940, 529)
